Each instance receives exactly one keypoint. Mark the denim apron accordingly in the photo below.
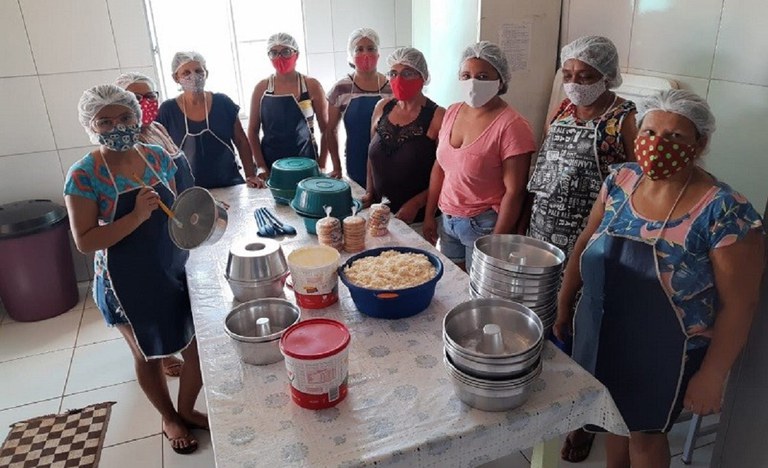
(147, 276)
(626, 332)
(286, 124)
(357, 123)
(212, 161)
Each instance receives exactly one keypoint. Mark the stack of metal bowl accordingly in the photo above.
(492, 352)
(256, 268)
(520, 269)
(257, 326)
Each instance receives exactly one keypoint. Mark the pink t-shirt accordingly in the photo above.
(473, 174)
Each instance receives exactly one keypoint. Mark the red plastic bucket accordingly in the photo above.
(314, 276)
(316, 357)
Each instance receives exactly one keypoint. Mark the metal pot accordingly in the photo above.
(519, 254)
(251, 290)
(257, 340)
(203, 219)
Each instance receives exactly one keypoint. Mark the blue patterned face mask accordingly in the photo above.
(121, 138)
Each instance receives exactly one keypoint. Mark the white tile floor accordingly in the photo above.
(74, 360)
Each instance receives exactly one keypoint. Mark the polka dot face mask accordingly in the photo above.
(660, 158)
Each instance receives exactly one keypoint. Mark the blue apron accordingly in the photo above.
(626, 332)
(357, 123)
(212, 160)
(287, 131)
(147, 275)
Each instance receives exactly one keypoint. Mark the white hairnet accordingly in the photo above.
(492, 54)
(410, 57)
(682, 102)
(282, 39)
(127, 79)
(597, 52)
(96, 98)
(182, 58)
(355, 37)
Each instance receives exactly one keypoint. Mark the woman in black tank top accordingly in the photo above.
(404, 139)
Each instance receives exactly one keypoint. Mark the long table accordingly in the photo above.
(401, 409)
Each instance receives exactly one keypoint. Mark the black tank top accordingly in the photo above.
(402, 157)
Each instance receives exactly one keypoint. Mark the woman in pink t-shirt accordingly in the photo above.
(483, 155)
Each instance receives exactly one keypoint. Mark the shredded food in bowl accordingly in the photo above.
(391, 270)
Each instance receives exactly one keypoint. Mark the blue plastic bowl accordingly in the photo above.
(392, 303)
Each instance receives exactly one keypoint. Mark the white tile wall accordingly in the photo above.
(697, 85)
(17, 56)
(62, 93)
(742, 35)
(131, 32)
(69, 36)
(323, 68)
(403, 23)
(24, 125)
(70, 156)
(318, 28)
(349, 15)
(32, 175)
(674, 37)
(614, 17)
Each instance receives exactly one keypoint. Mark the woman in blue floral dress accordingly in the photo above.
(670, 263)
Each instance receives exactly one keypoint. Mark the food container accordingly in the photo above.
(314, 193)
(314, 276)
(316, 357)
(203, 219)
(281, 196)
(286, 173)
(393, 303)
(256, 328)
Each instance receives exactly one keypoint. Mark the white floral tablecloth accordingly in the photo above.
(401, 409)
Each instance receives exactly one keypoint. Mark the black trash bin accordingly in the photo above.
(37, 276)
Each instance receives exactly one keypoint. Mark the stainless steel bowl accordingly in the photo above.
(488, 369)
(203, 219)
(528, 300)
(505, 275)
(245, 291)
(255, 260)
(256, 341)
(521, 328)
(491, 399)
(513, 284)
(494, 383)
(518, 253)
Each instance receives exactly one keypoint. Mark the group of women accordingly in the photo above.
(667, 259)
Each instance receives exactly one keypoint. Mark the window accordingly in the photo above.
(230, 34)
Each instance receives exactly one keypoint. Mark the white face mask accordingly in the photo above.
(584, 95)
(477, 93)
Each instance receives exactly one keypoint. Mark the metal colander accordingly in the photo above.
(204, 220)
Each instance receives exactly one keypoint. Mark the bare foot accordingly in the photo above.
(577, 446)
(172, 366)
(196, 420)
(182, 441)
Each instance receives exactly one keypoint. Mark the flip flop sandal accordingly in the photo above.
(577, 453)
(193, 443)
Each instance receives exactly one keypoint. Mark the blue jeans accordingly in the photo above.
(458, 234)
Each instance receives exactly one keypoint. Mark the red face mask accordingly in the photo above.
(148, 111)
(660, 158)
(405, 90)
(366, 62)
(285, 65)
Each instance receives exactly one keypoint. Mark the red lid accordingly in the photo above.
(314, 339)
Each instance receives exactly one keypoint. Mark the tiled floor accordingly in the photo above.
(73, 360)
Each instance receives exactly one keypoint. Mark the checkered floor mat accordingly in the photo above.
(70, 440)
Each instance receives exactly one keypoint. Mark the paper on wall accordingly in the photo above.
(515, 41)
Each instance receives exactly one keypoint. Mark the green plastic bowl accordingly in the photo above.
(314, 193)
(282, 196)
(286, 173)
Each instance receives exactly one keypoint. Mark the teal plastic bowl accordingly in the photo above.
(282, 196)
(314, 193)
(310, 222)
(286, 173)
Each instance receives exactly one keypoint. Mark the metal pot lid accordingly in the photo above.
(29, 216)
(196, 209)
(294, 164)
(324, 185)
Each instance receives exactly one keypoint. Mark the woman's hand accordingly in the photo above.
(255, 182)
(705, 393)
(407, 213)
(429, 229)
(147, 201)
(367, 199)
(563, 326)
